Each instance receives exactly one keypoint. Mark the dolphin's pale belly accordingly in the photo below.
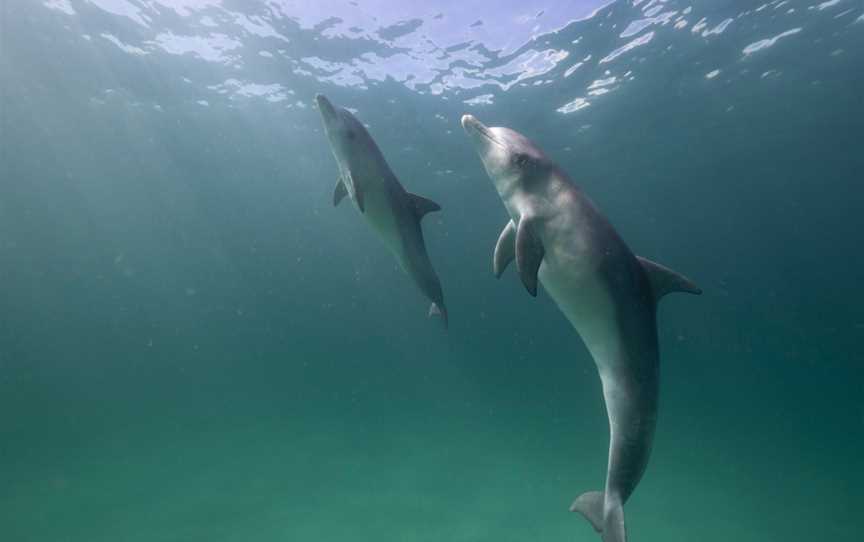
(584, 299)
(624, 350)
(383, 218)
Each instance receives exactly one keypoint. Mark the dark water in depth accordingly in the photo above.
(195, 346)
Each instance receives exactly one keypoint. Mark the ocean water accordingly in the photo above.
(196, 346)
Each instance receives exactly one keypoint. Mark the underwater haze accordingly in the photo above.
(195, 345)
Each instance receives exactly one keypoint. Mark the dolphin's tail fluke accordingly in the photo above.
(590, 505)
(608, 522)
(438, 310)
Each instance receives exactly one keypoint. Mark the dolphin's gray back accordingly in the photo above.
(412, 244)
(611, 306)
(631, 386)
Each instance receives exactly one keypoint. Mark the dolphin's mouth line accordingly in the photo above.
(481, 129)
(485, 132)
(325, 108)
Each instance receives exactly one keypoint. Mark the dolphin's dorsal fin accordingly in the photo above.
(505, 249)
(529, 254)
(422, 205)
(339, 192)
(664, 281)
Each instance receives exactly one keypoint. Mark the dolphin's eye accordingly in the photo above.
(521, 160)
(350, 134)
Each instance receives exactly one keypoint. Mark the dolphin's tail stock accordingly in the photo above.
(436, 309)
(608, 521)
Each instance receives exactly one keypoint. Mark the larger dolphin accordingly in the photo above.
(392, 212)
(608, 294)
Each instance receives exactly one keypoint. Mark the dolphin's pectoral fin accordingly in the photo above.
(339, 192)
(422, 205)
(590, 505)
(529, 254)
(664, 281)
(505, 249)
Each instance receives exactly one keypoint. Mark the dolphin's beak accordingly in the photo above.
(478, 131)
(471, 125)
(328, 112)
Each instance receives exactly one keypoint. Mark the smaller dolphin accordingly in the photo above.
(392, 212)
(609, 295)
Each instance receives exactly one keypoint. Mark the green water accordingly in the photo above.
(196, 346)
